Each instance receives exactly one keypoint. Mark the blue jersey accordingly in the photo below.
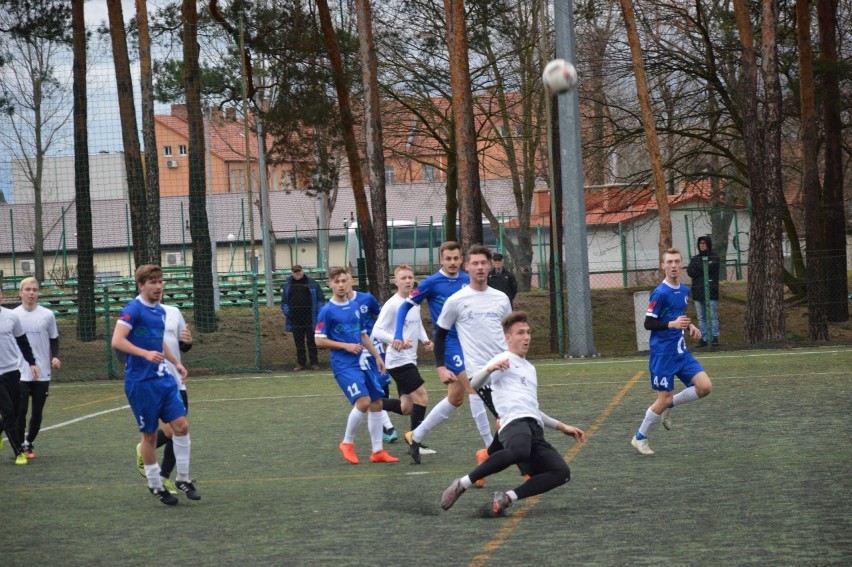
(436, 289)
(147, 328)
(667, 303)
(369, 309)
(341, 322)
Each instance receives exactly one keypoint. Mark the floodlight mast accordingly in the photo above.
(575, 245)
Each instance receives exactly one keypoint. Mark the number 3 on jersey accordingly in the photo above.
(661, 382)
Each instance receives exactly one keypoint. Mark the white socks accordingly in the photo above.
(439, 414)
(650, 421)
(386, 421)
(181, 447)
(374, 425)
(480, 417)
(686, 395)
(355, 418)
(152, 473)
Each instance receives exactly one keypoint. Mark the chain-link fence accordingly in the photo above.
(188, 186)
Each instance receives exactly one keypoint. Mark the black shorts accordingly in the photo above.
(407, 378)
(526, 436)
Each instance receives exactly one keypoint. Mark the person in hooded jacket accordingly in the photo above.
(695, 270)
(301, 300)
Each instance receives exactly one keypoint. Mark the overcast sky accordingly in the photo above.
(103, 120)
(96, 11)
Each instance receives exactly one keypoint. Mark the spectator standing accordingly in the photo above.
(695, 270)
(301, 301)
(501, 278)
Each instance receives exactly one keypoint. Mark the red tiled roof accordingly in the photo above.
(614, 204)
(227, 138)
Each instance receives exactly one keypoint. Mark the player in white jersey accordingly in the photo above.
(13, 344)
(514, 384)
(475, 311)
(402, 364)
(39, 323)
(178, 338)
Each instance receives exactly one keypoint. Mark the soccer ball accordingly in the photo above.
(559, 76)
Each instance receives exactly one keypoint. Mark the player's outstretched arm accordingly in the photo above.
(400, 324)
(570, 430)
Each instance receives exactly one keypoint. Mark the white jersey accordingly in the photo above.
(515, 390)
(40, 326)
(10, 328)
(412, 331)
(175, 324)
(478, 317)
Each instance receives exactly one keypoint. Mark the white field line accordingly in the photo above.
(557, 363)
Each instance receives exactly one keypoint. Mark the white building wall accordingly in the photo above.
(108, 179)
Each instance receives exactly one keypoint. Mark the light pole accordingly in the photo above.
(231, 238)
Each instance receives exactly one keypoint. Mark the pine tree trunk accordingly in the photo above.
(817, 322)
(129, 132)
(834, 220)
(202, 255)
(467, 161)
(375, 144)
(765, 297)
(86, 318)
(665, 218)
(365, 224)
(152, 166)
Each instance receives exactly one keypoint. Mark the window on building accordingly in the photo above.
(428, 172)
(181, 150)
(389, 176)
(167, 151)
(237, 181)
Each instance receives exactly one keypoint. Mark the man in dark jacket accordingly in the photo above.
(300, 302)
(695, 270)
(502, 279)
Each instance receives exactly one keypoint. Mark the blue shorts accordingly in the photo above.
(368, 364)
(664, 367)
(357, 383)
(453, 356)
(154, 399)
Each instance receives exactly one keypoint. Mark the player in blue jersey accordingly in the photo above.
(150, 388)
(340, 329)
(669, 357)
(435, 289)
(370, 309)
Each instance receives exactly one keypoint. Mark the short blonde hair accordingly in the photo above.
(26, 281)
